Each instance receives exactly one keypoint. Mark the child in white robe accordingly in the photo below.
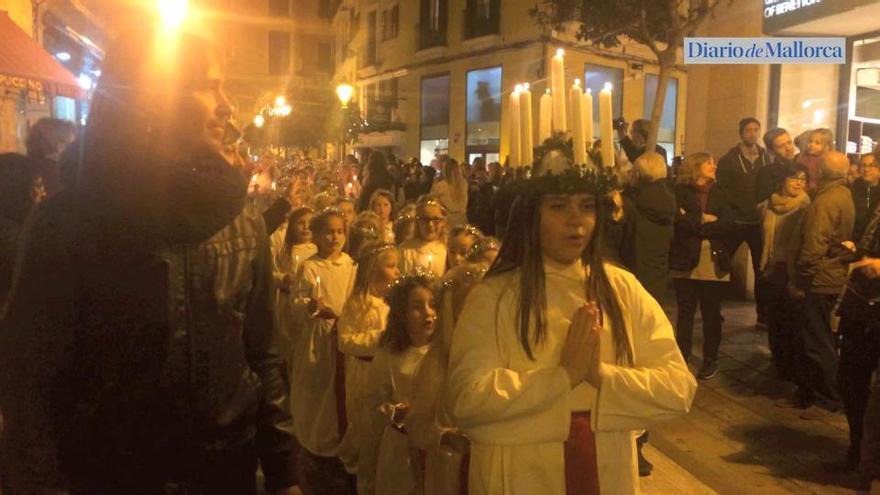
(559, 358)
(427, 250)
(296, 247)
(328, 276)
(382, 204)
(389, 463)
(359, 329)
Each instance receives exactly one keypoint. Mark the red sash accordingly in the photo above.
(581, 470)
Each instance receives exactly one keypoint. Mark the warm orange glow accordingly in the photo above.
(173, 13)
(344, 92)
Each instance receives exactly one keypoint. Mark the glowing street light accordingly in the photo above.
(259, 121)
(280, 101)
(173, 12)
(344, 91)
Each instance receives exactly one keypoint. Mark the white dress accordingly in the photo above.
(313, 368)
(430, 256)
(391, 456)
(517, 411)
(359, 329)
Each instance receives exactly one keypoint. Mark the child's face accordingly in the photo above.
(387, 271)
(301, 230)
(331, 239)
(816, 145)
(382, 207)
(459, 248)
(421, 316)
(431, 222)
(347, 210)
(566, 226)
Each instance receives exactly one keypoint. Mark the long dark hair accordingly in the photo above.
(521, 250)
(396, 338)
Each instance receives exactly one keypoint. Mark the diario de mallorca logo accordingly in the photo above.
(765, 50)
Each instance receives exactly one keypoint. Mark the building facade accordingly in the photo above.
(844, 98)
(432, 76)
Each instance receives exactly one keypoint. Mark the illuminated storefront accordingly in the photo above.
(844, 98)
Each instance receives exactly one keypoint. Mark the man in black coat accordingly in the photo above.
(634, 143)
(139, 354)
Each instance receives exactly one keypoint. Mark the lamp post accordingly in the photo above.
(344, 92)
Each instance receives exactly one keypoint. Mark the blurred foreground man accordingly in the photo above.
(139, 354)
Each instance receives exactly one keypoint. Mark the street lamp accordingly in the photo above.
(259, 121)
(344, 91)
(173, 13)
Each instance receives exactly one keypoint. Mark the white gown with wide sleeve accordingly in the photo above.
(517, 411)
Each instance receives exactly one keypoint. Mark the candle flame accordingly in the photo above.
(560, 52)
(526, 86)
(518, 88)
(577, 82)
(548, 91)
(608, 86)
(589, 91)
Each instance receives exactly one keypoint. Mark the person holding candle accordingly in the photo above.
(298, 247)
(382, 204)
(329, 275)
(427, 249)
(558, 358)
(360, 327)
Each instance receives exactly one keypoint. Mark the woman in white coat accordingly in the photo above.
(558, 359)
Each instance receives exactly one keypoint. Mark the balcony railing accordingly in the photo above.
(476, 24)
(430, 37)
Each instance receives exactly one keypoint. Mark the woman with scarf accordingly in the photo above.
(780, 216)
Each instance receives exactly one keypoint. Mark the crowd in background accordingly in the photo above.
(317, 311)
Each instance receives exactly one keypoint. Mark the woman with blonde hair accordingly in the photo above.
(452, 191)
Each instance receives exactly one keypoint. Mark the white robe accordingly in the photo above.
(517, 411)
(313, 368)
(390, 461)
(359, 329)
(430, 256)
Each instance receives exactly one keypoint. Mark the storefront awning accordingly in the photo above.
(26, 66)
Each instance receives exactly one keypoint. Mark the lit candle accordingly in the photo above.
(318, 287)
(274, 185)
(515, 133)
(605, 129)
(354, 177)
(557, 84)
(577, 121)
(430, 261)
(545, 116)
(348, 188)
(588, 117)
(525, 122)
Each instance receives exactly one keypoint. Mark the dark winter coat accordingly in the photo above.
(866, 199)
(649, 216)
(481, 208)
(738, 178)
(821, 262)
(138, 345)
(690, 230)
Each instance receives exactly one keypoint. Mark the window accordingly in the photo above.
(434, 117)
(372, 45)
(279, 8)
(325, 57)
(482, 18)
(279, 52)
(390, 23)
(432, 23)
(595, 77)
(483, 111)
(666, 134)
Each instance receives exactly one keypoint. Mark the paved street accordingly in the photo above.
(735, 441)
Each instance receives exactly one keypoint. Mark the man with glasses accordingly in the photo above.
(865, 192)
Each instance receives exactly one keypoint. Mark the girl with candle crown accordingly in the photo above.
(558, 358)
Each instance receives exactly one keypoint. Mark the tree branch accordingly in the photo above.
(707, 7)
(646, 34)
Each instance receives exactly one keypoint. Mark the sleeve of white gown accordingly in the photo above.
(481, 390)
(377, 393)
(659, 386)
(427, 391)
(355, 336)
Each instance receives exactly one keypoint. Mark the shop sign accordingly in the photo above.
(18, 82)
(782, 14)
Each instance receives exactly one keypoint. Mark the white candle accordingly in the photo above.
(557, 85)
(605, 128)
(525, 122)
(348, 188)
(514, 133)
(545, 116)
(318, 287)
(588, 117)
(430, 261)
(577, 121)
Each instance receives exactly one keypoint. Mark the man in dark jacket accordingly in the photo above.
(480, 206)
(866, 192)
(820, 273)
(738, 172)
(634, 143)
(139, 353)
